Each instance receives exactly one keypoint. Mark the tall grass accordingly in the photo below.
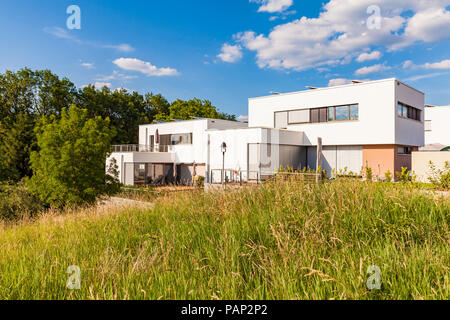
(283, 240)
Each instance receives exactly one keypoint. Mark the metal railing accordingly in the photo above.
(235, 176)
(140, 148)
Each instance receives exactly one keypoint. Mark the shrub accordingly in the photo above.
(199, 181)
(388, 176)
(440, 177)
(369, 175)
(69, 168)
(403, 176)
(16, 201)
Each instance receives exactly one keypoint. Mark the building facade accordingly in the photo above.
(437, 126)
(373, 124)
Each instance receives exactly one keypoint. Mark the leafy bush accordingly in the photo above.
(440, 177)
(16, 202)
(199, 181)
(69, 168)
(388, 176)
(369, 175)
(404, 175)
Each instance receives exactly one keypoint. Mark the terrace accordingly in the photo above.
(141, 148)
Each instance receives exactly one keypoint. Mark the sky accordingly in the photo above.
(228, 51)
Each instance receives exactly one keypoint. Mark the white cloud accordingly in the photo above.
(340, 31)
(65, 34)
(408, 64)
(100, 85)
(273, 6)
(429, 25)
(230, 53)
(115, 76)
(374, 55)
(133, 64)
(338, 82)
(371, 69)
(87, 65)
(443, 65)
(425, 76)
(124, 47)
(242, 118)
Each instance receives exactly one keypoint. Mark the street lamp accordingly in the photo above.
(223, 147)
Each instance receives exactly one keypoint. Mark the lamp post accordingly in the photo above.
(223, 147)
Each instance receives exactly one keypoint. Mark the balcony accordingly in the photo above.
(140, 148)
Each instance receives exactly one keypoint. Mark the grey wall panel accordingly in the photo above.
(329, 159)
(350, 157)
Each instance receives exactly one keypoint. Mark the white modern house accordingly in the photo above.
(376, 124)
(437, 128)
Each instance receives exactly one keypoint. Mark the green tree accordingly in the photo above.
(69, 168)
(26, 95)
(16, 141)
(186, 110)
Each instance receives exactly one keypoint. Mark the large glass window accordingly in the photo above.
(354, 112)
(316, 115)
(341, 113)
(281, 120)
(181, 138)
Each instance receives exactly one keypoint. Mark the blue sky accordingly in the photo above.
(228, 51)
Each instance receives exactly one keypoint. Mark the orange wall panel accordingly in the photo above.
(380, 158)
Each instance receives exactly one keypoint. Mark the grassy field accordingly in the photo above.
(283, 240)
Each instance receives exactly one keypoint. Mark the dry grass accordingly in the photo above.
(284, 240)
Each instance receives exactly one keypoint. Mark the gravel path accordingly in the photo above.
(115, 202)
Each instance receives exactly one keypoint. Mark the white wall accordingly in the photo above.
(440, 125)
(237, 141)
(377, 113)
(137, 157)
(421, 163)
(185, 153)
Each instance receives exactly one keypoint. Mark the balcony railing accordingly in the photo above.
(140, 148)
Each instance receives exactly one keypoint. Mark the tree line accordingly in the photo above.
(27, 97)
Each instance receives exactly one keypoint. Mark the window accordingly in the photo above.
(316, 115)
(281, 120)
(404, 150)
(354, 112)
(181, 138)
(299, 116)
(174, 139)
(319, 115)
(341, 113)
(323, 114)
(427, 125)
(409, 112)
(331, 116)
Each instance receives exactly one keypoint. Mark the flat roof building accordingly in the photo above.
(375, 124)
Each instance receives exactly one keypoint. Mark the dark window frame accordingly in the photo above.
(409, 112)
(406, 150)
